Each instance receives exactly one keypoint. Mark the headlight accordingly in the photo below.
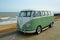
(28, 25)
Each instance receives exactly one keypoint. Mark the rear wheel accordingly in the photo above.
(51, 25)
(38, 30)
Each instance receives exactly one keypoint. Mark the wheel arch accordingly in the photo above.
(39, 26)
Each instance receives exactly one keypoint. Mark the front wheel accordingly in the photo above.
(38, 30)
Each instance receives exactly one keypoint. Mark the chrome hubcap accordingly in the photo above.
(39, 30)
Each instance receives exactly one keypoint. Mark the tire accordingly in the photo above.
(51, 25)
(38, 30)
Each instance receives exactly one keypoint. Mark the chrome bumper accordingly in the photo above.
(28, 31)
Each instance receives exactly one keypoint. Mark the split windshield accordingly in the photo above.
(25, 14)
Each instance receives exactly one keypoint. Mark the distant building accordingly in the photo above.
(57, 14)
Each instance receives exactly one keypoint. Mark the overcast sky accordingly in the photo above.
(17, 5)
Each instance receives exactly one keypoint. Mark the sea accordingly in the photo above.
(8, 14)
(8, 17)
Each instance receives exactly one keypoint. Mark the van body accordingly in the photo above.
(30, 21)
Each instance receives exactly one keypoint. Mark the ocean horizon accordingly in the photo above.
(8, 14)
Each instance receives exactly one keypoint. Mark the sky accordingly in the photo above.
(18, 5)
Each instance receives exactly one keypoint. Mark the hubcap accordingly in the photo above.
(38, 30)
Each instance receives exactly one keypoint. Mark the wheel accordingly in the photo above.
(38, 30)
(51, 25)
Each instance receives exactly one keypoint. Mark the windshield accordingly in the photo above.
(25, 14)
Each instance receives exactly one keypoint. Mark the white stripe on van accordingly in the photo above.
(23, 20)
(39, 17)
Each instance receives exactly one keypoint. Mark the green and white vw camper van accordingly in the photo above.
(30, 21)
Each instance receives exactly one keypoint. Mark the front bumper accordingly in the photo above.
(27, 31)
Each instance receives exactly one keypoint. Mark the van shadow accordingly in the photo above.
(20, 34)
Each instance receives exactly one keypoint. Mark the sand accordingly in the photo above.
(8, 27)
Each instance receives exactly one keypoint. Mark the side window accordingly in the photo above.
(52, 14)
(49, 13)
(43, 13)
(34, 14)
(40, 13)
(37, 14)
(46, 13)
